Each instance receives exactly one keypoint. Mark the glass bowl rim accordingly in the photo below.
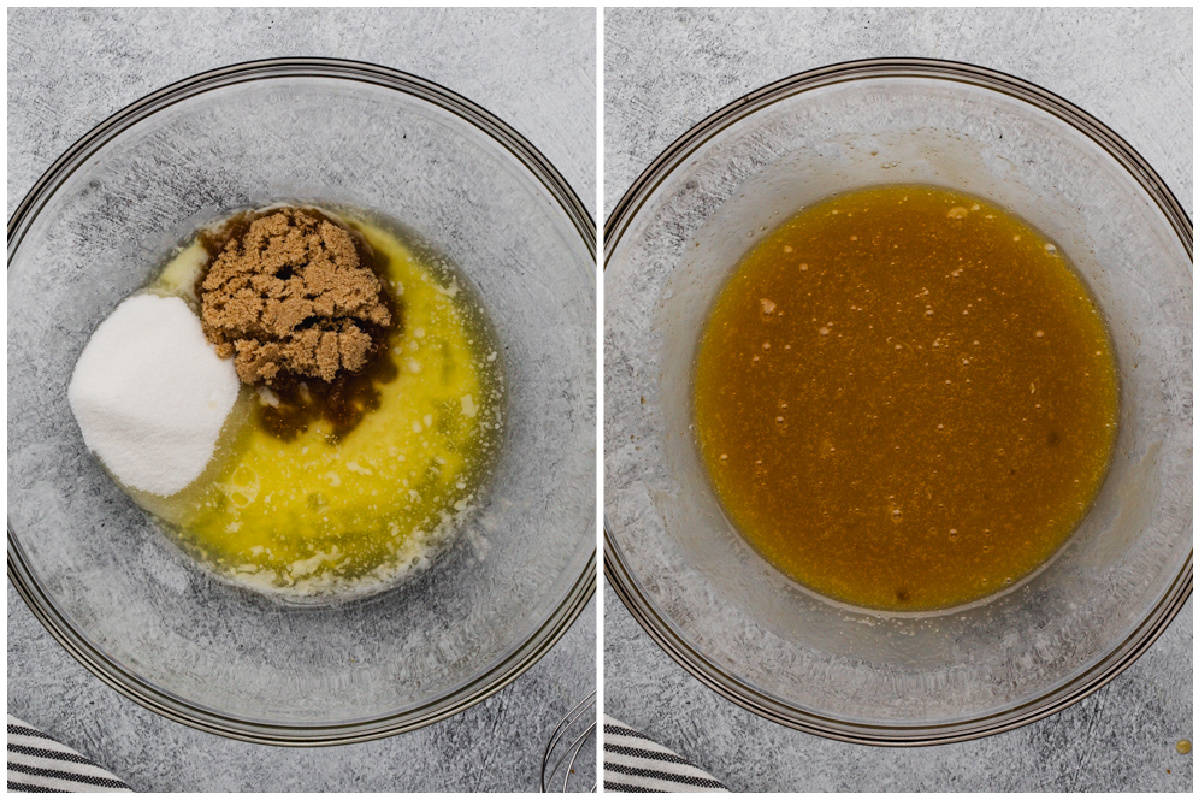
(159, 700)
(617, 570)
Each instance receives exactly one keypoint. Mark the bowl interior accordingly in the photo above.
(227, 656)
(777, 644)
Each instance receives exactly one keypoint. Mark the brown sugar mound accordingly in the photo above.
(289, 294)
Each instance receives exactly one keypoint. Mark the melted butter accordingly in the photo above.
(905, 398)
(318, 513)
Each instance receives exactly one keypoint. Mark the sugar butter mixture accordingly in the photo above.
(905, 398)
(370, 409)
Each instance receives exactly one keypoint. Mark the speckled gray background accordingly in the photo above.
(667, 69)
(67, 71)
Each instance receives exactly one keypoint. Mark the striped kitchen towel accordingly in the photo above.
(634, 763)
(37, 763)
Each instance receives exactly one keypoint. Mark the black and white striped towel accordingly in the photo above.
(634, 763)
(37, 763)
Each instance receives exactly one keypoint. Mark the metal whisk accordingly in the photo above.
(573, 733)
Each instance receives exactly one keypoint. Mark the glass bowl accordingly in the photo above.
(115, 591)
(705, 595)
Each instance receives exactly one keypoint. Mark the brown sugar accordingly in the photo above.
(289, 293)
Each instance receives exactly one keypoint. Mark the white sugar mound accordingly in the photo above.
(151, 395)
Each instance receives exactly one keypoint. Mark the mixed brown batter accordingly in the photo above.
(905, 398)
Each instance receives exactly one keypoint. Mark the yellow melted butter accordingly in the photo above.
(314, 515)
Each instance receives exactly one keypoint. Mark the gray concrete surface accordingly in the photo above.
(68, 70)
(667, 69)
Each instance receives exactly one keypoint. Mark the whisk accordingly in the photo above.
(573, 733)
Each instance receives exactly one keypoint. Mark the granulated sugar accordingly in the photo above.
(151, 395)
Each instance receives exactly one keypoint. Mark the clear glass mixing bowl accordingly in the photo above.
(112, 587)
(705, 595)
